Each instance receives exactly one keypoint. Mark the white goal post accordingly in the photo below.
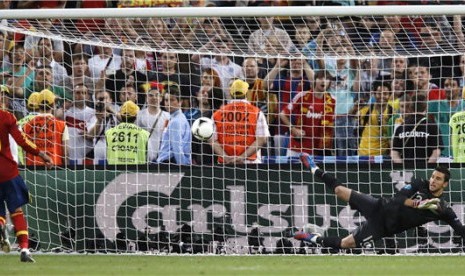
(296, 11)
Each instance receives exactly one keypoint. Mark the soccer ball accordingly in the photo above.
(203, 128)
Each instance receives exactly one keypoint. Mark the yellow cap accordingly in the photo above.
(129, 109)
(33, 100)
(239, 89)
(4, 88)
(46, 96)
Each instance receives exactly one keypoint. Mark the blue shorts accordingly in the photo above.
(14, 193)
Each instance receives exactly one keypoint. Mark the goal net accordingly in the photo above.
(373, 93)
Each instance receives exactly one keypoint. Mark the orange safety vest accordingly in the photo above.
(236, 124)
(46, 132)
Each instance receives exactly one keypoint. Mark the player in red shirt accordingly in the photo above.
(310, 117)
(13, 190)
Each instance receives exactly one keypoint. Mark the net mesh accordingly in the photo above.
(338, 88)
(367, 35)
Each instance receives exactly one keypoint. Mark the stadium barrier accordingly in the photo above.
(83, 209)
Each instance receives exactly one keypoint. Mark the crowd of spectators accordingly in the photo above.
(304, 75)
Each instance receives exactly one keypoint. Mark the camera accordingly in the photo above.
(100, 105)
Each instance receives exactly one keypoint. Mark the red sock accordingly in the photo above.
(20, 224)
(2, 220)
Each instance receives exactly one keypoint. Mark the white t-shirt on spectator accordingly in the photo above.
(59, 73)
(97, 64)
(146, 120)
(258, 40)
(225, 72)
(100, 145)
(141, 64)
(30, 42)
(78, 121)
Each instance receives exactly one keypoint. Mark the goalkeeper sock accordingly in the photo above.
(329, 180)
(20, 224)
(333, 242)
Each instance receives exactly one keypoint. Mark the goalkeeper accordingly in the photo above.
(415, 204)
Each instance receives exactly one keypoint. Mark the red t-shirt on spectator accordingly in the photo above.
(315, 116)
(437, 94)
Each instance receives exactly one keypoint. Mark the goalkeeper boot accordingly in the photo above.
(4, 242)
(308, 237)
(26, 256)
(308, 161)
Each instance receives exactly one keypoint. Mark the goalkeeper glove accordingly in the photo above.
(427, 204)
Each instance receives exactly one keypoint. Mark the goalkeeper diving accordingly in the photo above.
(417, 203)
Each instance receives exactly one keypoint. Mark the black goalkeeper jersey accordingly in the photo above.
(398, 217)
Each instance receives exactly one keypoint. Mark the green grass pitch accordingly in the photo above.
(232, 265)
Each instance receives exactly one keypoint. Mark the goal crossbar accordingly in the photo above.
(234, 12)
